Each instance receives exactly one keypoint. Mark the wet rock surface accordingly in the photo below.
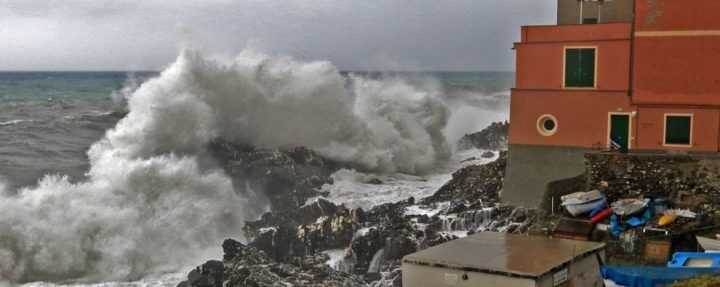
(286, 177)
(493, 137)
(474, 183)
(292, 239)
(689, 181)
(247, 266)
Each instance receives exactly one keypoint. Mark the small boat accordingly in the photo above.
(582, 202)
(629, 206)
(667, 219)
(682, 213)
(709, 244)
(694, 260)
(643, 276)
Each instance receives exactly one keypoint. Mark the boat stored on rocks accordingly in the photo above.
(650, 276)
(695, 260)
(709, 244)
(628, 206)
(667, 219)
(582, 202)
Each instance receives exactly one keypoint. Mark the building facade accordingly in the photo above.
(649, 82)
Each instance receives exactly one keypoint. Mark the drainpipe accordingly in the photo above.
(632, 52)
(600, 4)
(581, 12)
(632, 68)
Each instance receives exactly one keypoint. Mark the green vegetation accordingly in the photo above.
(702, 281)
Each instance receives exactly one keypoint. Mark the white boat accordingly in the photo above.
(582, 202)
(709, 244)
(682, 213)
(629, 206)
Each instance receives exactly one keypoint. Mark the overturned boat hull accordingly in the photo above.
(582, 202)
(577, 209)
(625, 207)
(709, 244)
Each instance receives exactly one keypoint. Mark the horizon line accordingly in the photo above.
(341, 71)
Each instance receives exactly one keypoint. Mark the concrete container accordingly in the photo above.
(497, 259)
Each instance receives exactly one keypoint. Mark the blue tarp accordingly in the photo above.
(643, 276)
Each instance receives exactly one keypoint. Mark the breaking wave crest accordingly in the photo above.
(150, 204)
(384, 125)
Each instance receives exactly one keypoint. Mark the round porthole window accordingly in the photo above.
(547, 125)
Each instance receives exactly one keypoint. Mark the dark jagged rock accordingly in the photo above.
(287, 178)
(286, 244)
(494, 137)
(689, 181)
(247, 266)
(310, 229)
(473, 183)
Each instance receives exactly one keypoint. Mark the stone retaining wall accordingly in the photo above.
(690, 181)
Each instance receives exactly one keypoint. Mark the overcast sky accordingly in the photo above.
(441, 35)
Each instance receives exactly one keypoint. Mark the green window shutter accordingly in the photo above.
(587, 67)
(572, 67)
(580, 68)
(677, 130)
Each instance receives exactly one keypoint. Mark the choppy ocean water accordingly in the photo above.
(48, 120)
(96, 224)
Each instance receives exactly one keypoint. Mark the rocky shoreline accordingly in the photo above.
(294, 242)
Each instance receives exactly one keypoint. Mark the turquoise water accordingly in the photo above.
(48, 120)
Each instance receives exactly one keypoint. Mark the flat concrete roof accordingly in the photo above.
(501, 253)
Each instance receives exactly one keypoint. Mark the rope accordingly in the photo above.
(670, 234)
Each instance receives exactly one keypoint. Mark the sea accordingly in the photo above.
(48, 120)
(102, 174)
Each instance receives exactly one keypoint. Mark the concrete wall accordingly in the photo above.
(612, 12)
(530, 168)
(540, 58)
(583, 272)
(581, 114)
(414, 275)
(704, 132)
(677, 52)
(690, 181)
(581, 117)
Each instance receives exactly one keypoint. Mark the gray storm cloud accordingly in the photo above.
(356, 35)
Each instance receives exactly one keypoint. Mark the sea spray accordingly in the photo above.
(151, 204)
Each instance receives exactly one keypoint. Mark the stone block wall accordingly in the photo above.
(689, 181)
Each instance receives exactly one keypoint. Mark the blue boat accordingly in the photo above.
(646, 276)
(695, 260)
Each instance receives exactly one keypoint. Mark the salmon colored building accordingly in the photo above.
(647, 79)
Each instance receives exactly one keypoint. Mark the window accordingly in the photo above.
(590, 21)
(547, 125)
(580, 67)
(678, 129)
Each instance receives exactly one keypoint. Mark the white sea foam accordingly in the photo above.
(149, 206)
(14, 122)
(357, 189)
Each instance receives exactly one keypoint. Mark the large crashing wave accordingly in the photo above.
(277, 102)
(151, 203)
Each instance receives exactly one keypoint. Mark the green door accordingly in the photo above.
(619, 127)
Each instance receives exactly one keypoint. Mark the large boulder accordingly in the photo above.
(247, 266)
(473, 183)
(287, 178)
(493, 137)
